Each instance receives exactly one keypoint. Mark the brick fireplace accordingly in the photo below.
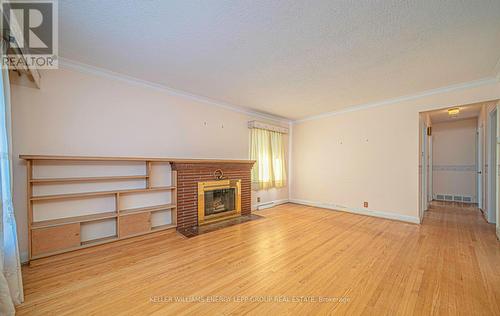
(189, 174)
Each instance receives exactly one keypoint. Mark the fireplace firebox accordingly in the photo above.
(218, 200)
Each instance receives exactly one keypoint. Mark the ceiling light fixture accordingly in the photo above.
(453, 112)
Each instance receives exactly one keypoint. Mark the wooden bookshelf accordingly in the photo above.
(63, 234)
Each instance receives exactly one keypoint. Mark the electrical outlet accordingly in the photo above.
(365, 204)
(258, 199)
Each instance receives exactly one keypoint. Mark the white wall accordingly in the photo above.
(372, 154)
(80, 113)
(454, 157)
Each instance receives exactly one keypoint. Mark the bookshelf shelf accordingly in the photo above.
(88, 179)
(147, 209)
(74, 219)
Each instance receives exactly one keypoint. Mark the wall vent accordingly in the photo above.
(454, 198)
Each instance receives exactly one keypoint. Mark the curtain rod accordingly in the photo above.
(269, 127)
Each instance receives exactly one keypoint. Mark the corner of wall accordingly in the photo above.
(290, 159)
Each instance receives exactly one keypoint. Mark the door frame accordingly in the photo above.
(492, 166)
(424, 200)
(430, 190)
(480, 166)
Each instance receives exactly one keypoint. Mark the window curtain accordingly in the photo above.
(11, 288)
(268, 150)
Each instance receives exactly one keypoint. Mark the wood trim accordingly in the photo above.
(73, 219)
(162, 227)
(117, 210)
(85, 244)
(98, 193)
(150, 159)
(98, 241)
(148, 174)
(146, 209)
(174, 197)
(89, 179)
(29, 194)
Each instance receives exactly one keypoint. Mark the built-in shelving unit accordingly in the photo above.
(62, 234)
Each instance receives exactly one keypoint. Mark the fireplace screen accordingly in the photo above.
(220, 200)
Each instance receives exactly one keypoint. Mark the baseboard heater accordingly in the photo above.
(454, 198)
(265, 205)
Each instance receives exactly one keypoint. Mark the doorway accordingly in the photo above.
(451, 152)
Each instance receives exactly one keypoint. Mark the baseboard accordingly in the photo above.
(264, 205)
(24, 257)
(360, 211)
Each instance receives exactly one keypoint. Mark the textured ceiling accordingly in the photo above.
(288, 58)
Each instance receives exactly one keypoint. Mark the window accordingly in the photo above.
(268, 150)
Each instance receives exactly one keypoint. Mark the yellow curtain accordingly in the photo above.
(268, 150)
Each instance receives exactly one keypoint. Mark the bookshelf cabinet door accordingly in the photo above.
(54, 239)
(135, 224)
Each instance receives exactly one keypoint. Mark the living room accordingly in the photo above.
(246, 158)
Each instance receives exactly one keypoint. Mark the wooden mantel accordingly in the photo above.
(152, 159)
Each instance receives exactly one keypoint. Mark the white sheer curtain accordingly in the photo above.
(11, 288)
(268, 150)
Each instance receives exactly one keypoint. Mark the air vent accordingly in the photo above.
(454, 198)
(467, 199)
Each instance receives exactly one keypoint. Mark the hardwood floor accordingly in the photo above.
(448, 265)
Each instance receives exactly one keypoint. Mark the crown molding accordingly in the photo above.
(455, 87)
(86, 68)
